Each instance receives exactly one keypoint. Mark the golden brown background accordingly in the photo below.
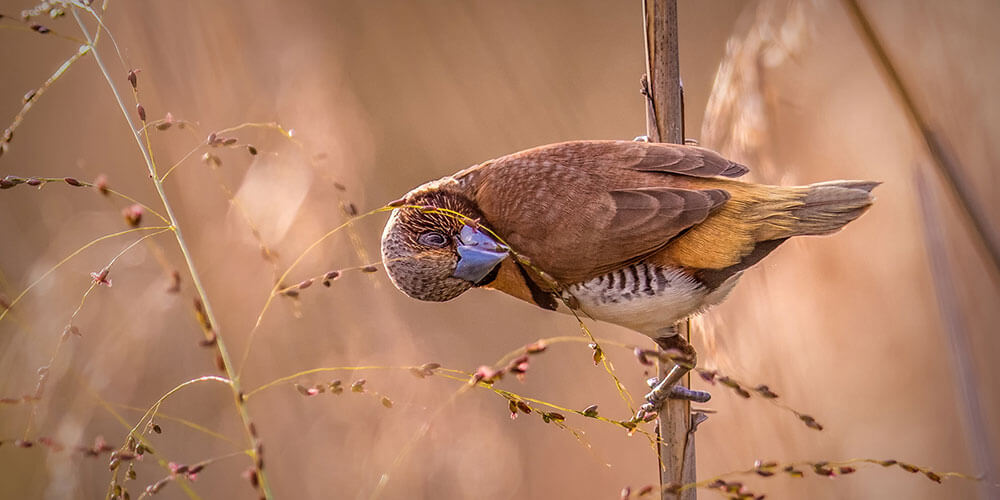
(395, 93)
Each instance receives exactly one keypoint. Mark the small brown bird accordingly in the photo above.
(637, 234)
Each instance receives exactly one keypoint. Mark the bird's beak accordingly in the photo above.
(478, 254)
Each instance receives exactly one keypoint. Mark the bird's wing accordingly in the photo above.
(581, 209)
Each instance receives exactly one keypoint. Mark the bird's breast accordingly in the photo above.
(643, 297)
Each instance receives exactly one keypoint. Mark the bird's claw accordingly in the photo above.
(654, 403)
(667, 389)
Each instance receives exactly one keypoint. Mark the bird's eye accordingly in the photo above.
(433, 239)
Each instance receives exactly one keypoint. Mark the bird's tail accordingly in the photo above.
(758, 217)
(825, 207)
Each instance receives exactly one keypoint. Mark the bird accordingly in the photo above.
(637, 234)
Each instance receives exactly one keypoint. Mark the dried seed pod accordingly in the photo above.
(792, 471)
(765, 391)
(358, 385)
(141, 111)
(536, 347)
(39, 28)
(386, 402)
(72, 182)
(708, 375)
(369, 269)
(132, 77)
(229, 142)
(252, 150)
(811, 422)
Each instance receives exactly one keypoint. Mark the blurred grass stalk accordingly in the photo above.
(936, 241)
(665, 123)
(963, 365)
(942, 155)
(145, 149)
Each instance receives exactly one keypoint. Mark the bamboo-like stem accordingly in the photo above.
(193, 271)
(665, 123)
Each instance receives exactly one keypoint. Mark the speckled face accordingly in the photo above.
(420, 248)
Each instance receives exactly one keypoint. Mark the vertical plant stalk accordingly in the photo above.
(238, 396)
(962, 361)
(944, 158)
(665, 123)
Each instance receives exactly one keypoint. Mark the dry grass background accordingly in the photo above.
(394, 93)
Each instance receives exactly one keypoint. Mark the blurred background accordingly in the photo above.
(886, 333)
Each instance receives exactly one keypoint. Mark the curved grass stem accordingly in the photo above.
(189, 260)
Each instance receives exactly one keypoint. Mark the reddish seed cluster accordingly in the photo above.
(734, 490)
(517, 366)
(101, 183)
(132, 215)
(326, 279)
(101, 278)
(99, 447)
(626, 493)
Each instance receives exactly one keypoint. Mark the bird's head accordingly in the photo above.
(437, 255)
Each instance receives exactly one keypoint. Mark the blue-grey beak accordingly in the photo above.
(478, 254)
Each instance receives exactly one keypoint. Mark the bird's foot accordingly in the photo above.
(659, 393)
(654, 402)
(665, 389)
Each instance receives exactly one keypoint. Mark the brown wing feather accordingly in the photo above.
(581, 209)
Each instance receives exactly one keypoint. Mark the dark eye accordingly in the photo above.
(433, 239)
